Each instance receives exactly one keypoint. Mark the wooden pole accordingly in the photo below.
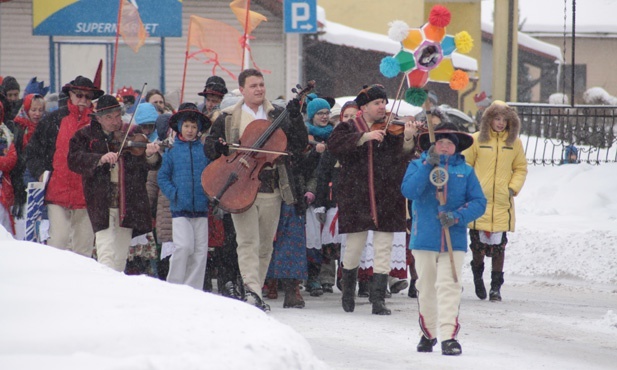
(442, 202)
(113, 68)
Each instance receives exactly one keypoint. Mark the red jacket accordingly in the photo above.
(65, 186)
(7, 162)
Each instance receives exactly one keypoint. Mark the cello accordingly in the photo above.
(232, 182)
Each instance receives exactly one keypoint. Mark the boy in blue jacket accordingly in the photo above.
(180, 180)
(439, 295)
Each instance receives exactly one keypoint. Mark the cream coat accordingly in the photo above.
(499, 166)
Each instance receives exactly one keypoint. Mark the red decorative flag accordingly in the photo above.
(131, 27)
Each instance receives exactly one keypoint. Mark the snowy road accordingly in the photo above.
(539, 325)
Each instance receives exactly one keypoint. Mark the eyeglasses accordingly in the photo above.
(322, 113)
(79, 95)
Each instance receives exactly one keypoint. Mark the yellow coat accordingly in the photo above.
(499, 167)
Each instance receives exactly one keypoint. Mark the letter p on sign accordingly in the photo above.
(299, 13)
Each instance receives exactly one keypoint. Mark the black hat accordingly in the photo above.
(370, 93)
(450, 131)
(85, 84)
(106, 104)
(215, 86)
(10, 83)
(189, 111)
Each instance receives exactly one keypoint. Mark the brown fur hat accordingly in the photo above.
(498, 108)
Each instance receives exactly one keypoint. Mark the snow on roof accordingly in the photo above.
(532, 43)
(338, 34)
(546, 16)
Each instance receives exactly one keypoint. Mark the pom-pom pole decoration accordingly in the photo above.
(398, 31)
(459, 80)
(426, 54)
(415, 96)
(389, 67)
(439, 16)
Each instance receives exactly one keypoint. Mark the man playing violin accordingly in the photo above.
(256, 227)
(373, 162)
(114, 183)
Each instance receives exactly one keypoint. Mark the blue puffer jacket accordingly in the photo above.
(464, 198)
(180, 178)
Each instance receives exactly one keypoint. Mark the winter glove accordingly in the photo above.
(293, 108)
(310, 197)
(511, 192)
(221, 147)
(447, 219)
(432, 158)
(320, 213)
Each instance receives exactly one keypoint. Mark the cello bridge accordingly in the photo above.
(244, 162)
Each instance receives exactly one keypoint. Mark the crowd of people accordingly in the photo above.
(299, 196)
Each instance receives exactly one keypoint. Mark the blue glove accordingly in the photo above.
(447, 219)
(432, 158)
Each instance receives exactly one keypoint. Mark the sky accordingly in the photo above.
(62, 311)
(548, 15)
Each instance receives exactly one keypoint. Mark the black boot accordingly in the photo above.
(378, 294)
(496, 282)
(363, 289)
(426, 345)
(451, 347)
(477, 279)
(413, 292)
(349, 289)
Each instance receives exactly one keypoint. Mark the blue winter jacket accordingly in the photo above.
(180, 179)
(464, 198)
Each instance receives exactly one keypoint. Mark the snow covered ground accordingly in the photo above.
(62, 311)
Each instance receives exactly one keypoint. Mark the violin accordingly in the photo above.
(232, 182)
(135, 143)
(393, 126)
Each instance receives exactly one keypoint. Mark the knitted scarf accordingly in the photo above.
(320, 133)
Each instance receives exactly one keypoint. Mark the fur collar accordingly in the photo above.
(513, 127)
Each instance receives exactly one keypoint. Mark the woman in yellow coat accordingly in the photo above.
(498, 157)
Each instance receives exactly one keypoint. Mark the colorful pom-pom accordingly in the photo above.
(459, 80)
(415, 96)
(398, 31)
(439, 16)
(463, 41)
(389, 67)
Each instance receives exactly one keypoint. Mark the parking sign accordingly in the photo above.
(300, 16)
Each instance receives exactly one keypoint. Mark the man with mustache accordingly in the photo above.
(69, 224)
(373, 163)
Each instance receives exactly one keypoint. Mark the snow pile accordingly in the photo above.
(598, 96)
(64, 311)
(566, 224)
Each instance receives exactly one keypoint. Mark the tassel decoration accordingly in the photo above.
(415, 96)
(389, 67)
(459, 80)
(463, 42)
(398, 31)
(439, 16)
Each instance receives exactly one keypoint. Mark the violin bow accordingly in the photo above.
(397, 99)
(133, 115)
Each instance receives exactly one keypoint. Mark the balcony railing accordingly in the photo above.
(546, 131)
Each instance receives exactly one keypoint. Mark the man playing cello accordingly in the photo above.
(256, 227)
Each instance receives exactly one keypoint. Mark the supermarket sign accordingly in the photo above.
(161, 18)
